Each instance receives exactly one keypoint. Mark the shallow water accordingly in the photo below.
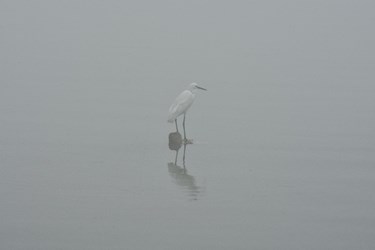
(93, 173)
(283, 140)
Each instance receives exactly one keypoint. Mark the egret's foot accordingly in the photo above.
(187, 141)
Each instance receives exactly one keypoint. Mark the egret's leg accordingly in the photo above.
(183, 124)
(183, 157)
(175, 121)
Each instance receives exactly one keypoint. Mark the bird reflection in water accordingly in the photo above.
(179, 174)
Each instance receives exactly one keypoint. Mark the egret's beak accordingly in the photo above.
(201, 88)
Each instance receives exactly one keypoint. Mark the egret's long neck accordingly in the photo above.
(193, 90)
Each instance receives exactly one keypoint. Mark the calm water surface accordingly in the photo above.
(95, 172)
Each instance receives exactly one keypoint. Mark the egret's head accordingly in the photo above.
(195, 86)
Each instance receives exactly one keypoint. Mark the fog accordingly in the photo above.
(283, 140)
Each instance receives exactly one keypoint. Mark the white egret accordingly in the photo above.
(181, 105)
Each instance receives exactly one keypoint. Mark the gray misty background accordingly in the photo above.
(284, 137)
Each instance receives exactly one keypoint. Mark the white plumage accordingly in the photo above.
(182, 103)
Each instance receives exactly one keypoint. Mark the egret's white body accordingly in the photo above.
(182, 103)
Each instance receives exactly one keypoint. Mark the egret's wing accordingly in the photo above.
(180, 105)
